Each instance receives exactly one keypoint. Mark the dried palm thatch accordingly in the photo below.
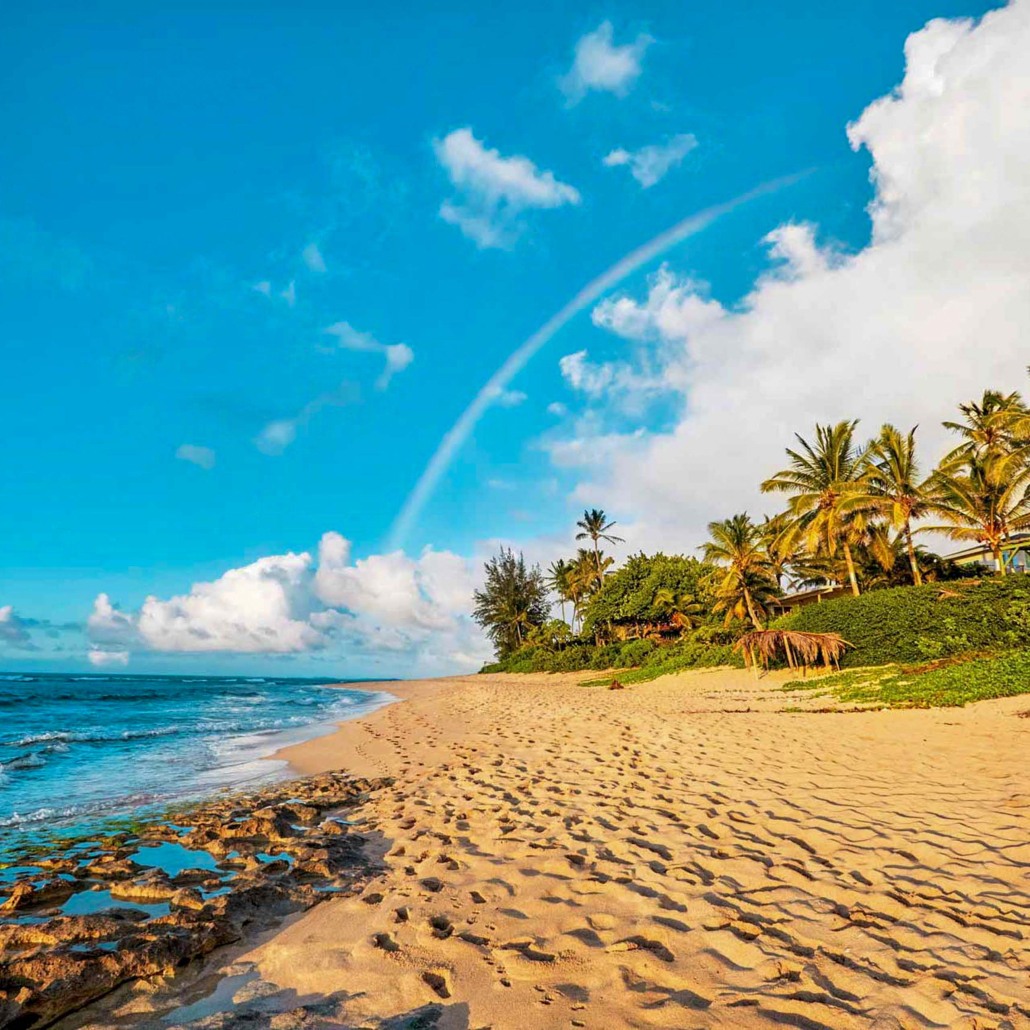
(800, 650)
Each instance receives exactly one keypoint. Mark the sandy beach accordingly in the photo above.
(683, 853)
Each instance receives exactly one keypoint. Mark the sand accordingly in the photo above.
(682, 853)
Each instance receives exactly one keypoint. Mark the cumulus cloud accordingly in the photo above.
(931, 311)
(203, 457)
(397, 355)
(599, 64)
(652, 163)
(493, 191)
(412, 612)
(257, 608)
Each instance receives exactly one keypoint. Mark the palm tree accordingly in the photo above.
(744, 580)
(586, 574)
(681, 609)
(998, 423)
(984, 499)
(894, 483)
(830, 495)
(594, 526)
(558, 581)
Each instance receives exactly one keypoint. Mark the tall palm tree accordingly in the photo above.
(997, 423)
(558, 581)
(898, 491)
(595, 526)
(984, 499)
(830, 495)
(744, 580)
(585, 578)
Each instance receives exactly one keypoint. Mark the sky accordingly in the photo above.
(258, 266)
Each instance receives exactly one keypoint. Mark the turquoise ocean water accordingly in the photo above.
(77, 750)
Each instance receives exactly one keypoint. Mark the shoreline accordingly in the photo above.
(341, 749)
(700, 850)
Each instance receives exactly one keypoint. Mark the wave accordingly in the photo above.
(72, 737)
(33, 760)
(41, 815)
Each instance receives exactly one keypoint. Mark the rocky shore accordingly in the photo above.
(76, 924)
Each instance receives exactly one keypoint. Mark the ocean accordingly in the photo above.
(78, 750)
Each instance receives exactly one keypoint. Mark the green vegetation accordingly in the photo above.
(949, 685)
(921, 624)
(854, 511)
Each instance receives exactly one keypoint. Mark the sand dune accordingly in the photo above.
(555, 856)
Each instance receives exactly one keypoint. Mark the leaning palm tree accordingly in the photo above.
(830, 493)
(898, 492)
(985, 500)
(744, 579)
(595, 526)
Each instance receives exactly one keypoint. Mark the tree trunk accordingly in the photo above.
(999, 558)
(917, 577)
(755, 621)
(850, 561)
(597, 561)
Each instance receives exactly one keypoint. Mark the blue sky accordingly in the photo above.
(190, 198)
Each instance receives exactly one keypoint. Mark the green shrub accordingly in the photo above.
(919, 624)
(959, 683)
(634, 653)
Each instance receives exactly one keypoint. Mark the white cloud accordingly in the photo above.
(650, 164)
(557, 409)
(599, 64)
(101, 658)
(398, 355)
(204, 457)
(932, 311)
(412, 613)
(312, 257)
(277, 435)
(13, 630)
(493, 191)
(261, 607)
(508, 398)
(110, 626)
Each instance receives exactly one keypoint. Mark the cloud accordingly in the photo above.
(505, 398)
(396, 603)
(312, 257)
(257, 608)
(930, 312)
(277, 435)
(650, 164)
(289, 294)
(101, 658)
(599, 64)
(398, 355)
(204, 457)
(411, 612)
(14, 631)
(493, 191)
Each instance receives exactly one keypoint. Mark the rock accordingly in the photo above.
(31, 895)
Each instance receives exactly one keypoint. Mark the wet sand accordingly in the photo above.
(682, 853)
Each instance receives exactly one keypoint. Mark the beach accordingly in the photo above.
(681, 853)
